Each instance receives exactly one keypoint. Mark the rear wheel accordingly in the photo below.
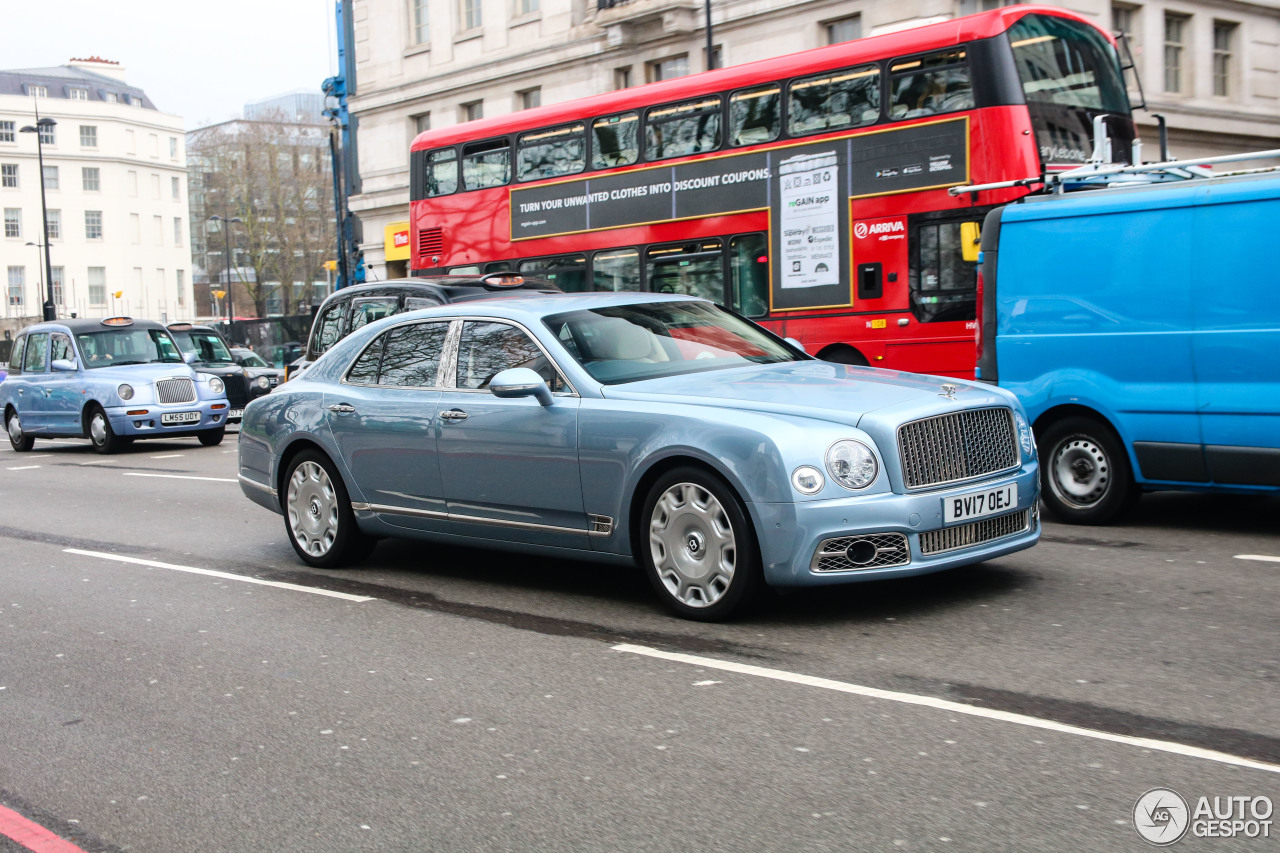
(1085, 472)
(101, 435)
(17, 437)
(317, 514)
(212, 437)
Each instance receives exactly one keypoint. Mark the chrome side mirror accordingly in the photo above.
(796, 344)
(520, 382)
(190, 358)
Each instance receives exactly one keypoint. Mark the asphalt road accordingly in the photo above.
(453, 699)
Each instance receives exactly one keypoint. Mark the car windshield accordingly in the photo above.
(207, 346)
(628, 343)
(250, 359)
(114, 347)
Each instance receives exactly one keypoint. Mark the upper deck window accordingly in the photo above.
(849, 97)
(678, 130)
(755, 115)
(442, 172)
(486, 164)
(928, 85)
(551, 153)
(1067, 63)
(615, 141)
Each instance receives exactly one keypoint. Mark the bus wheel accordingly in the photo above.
(1085, 473)
(845, 355)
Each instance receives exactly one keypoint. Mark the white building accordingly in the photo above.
(115, 180)
(1212, 67)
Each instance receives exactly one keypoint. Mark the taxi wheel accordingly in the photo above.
(317, 514)
(20, 440)
(697, 546)
(212, 437)
(101, 435)
(1085, 473)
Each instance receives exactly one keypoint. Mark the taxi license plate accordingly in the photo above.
(180, 418)
(235, 413)
(980, 504)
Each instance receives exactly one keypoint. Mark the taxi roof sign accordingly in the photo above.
(118, 321)
(502, 279)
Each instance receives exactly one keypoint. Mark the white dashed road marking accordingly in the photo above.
(23, 468)
(181, 477)
(1262, 557)
(168, 456)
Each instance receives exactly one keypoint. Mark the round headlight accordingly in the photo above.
(262, 382)
(852, 464)
(807, 480)
(1026, 438)
(215, 385)
(125, 392)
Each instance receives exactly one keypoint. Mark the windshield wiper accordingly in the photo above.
(121, 363)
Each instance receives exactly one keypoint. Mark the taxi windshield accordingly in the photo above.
(114, 347)
(207, 346)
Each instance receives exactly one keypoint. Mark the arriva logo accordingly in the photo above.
(862, 229)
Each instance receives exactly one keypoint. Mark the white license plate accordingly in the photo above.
(180, 418)
(979, 504)
(235, 413)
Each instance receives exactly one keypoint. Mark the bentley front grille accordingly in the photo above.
(175, 391)
(866, 551)
(975, 532)
(957, 447)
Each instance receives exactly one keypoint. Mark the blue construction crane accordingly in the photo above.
(342, 150)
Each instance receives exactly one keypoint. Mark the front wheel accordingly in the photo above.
(212, 437)
(317, 514)
(697, 547)
(101, 435)
(1085, 472)
(21, 441)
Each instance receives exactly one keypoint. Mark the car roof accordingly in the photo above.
(454, 286)
(80, 325)
(535, 306)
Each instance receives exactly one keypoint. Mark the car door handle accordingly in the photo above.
(342, 408)
(454, 415)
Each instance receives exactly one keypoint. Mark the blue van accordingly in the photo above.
(1141, 330)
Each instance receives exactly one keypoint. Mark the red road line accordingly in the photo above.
(32, 836)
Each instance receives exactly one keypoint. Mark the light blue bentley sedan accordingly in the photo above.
(640, 428)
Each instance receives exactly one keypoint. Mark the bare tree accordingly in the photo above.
(274, 176)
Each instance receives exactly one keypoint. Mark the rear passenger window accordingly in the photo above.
(486, 164)
(34, 361)
(755, 115)
(412, 355)
(551, 153)
(60, 348)
(938, 83)
(442, 172)
(845, 98)
(615, 141)
(678, 130)
(365, 370)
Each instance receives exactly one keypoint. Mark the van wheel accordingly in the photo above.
(1085, 473)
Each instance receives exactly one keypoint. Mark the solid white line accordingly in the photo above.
(224, 575)
(40, 456)
(24, 468)
(95, 462)
(1263, 557)
(180, 477)
(167, 456)
(951, 707)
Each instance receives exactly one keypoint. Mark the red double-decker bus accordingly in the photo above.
(808, 192)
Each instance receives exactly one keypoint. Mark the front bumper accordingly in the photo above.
(789, 560)
(148, 421)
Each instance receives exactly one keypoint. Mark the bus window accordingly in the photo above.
(486, 164)
(846, 98)
(551, 153)
(468, 269)
(1064, 62)
(499, 266)
(694, 269)
(567, 272)
(943, 284)
(755, 115)
(928, 85)
(616, 269)
(442, 172)
(678, 130)
(749, 274)
(614, 141)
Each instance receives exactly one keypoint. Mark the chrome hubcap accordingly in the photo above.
(312, 505)
(98, 428)
(1081, 472)
(693, 546)
(15, 430)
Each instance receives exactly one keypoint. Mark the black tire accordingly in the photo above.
(317, 514)
(19, 439)
(212, 437)
(101, 436)
(697, 547)
(1085, 474)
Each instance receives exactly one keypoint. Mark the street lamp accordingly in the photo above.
(50, 312)
(225, 225)
(38, 246)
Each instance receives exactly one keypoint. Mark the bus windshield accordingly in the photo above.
(115, 347)
(628, 343)
(1066, 63)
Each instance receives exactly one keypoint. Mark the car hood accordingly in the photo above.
(816, 389)
(135, 373)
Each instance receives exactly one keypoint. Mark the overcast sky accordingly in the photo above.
(200, 60)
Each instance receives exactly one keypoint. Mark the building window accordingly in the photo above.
(88, 136)
(472, 110)
(155, 186)
(1175, 37)
(622, 78)
(182, 287)
(93, 224)
(13, 222)
(89, 177)
(526, 7)
(17, 284)
(157, 228)
(1124, 22)
(131, 181)
(135, 227)
(135, 100)
(175, 188)
(177, 230)
(50, 177)
(666, 69)
(38, 91)
(1224, 36)
(111, 98)
(9, 176)
(173, 148)
(53, 223)
(529, 98)
(58, 277)
(131, 142)
(421, 25)
(97, 285)
(420, 123)
(78, 94)
(844, 29)
(470, 14)
(48, 134)
(7, 131)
